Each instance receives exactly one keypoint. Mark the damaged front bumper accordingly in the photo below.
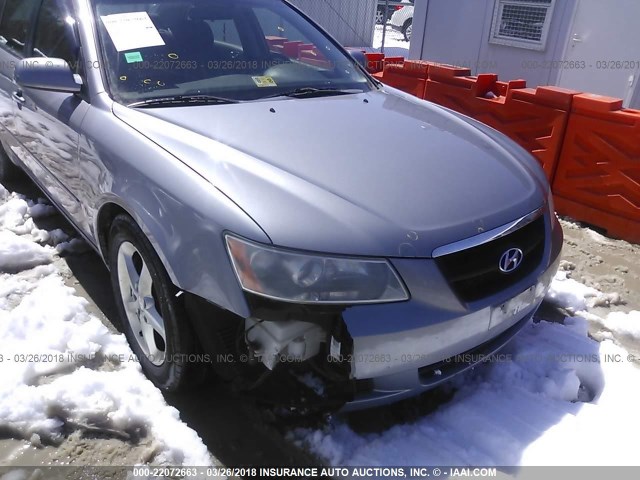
(404, 349)
(372, 355)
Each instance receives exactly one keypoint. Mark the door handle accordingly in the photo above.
(577, 38)
(17, 96)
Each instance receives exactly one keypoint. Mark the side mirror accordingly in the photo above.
(358, 55)
(52, 74)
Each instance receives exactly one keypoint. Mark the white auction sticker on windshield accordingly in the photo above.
(132, 30)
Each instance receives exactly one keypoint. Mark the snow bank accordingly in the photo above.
(623, 323)
(570, 294)
(393, 39)
(17, 253)
(578, 298)
(559, 398)
(60, 368)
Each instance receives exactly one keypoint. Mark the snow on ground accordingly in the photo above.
(623, 323)
(393, 40)
(60, 368)
(570, 294)
(557, 397)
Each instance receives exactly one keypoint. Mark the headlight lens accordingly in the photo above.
(303, 278)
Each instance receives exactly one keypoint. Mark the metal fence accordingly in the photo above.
(375, 25)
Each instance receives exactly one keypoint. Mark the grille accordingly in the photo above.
(475, 273)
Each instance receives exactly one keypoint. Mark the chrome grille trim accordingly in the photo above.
(489, 236)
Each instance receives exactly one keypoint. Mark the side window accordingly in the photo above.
(54, 35)
(14, 25)
(225, 31)
(285, 39)
(274, 26)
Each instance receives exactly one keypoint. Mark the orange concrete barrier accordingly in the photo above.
(291, 48)
(305, 46)
(396, 77)
(375, 62)
(534, 118)
(393, 61)
(416, 68)
(273, 41)
(598, 176)
(409, 75)
(313, 56)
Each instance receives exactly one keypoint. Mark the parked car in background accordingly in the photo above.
(382, 14)
(402, 19)
(250, 220)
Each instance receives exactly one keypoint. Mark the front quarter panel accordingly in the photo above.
(181, 213)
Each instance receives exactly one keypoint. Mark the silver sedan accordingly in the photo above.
(226, 160)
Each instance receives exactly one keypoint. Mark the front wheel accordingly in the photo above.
(153, 318)
(408, 27)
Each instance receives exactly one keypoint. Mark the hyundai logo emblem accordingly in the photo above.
(511, 260)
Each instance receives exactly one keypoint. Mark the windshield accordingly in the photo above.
(231, 49)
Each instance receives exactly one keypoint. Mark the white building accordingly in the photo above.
(586, 45)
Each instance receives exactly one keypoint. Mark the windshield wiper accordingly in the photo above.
(311, 92)
(181, 101)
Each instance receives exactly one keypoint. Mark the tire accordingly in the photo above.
(407, 30)
(380, 16)
(153, 318)
(9, 171)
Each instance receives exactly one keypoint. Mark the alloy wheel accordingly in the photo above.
(138, 297)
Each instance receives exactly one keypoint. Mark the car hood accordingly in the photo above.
(378, 173)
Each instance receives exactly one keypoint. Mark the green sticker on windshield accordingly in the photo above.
(133, 57)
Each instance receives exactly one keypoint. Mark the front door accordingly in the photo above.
(16, 19)
(602, 52)
(50, 120)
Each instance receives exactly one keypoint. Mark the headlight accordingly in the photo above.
(303, 278)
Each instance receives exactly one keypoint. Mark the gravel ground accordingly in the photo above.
(609, 265)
